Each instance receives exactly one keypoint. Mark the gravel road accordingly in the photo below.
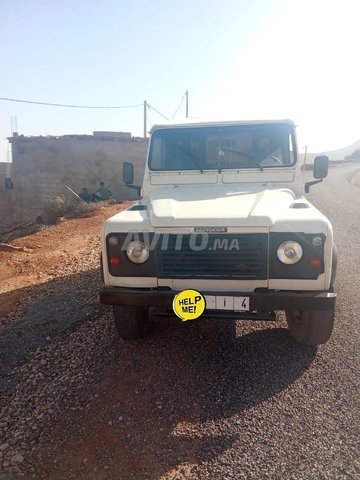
(187, 402)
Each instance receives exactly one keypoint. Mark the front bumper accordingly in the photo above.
(268, 300)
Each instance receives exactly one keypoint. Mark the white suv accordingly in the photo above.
(223, 212)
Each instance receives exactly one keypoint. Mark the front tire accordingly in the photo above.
(130, 321)
(310, 327)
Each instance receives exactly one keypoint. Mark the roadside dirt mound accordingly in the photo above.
(49, 254)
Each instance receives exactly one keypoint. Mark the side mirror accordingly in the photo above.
(321, 166)
(128, 173)
(128, 177)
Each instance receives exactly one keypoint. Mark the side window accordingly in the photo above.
(156, 154)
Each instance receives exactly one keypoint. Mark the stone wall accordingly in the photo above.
(42, 166)
(7, 197)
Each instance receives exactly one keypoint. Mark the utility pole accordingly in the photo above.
(145, 128)
(187, 103)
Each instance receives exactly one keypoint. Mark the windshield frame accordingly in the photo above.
(290, 131)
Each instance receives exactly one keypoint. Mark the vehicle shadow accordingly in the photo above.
(156, 403)
(231, 374)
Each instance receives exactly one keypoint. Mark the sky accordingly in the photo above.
(239, 59)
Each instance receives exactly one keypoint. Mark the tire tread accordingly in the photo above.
(314, 328)
(130, 321)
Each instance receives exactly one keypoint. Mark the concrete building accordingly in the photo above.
(7, 196)
(42, 166)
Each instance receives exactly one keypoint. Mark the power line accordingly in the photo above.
(145, 105)
(67, 105)
(157, 111)
(33, 102)
(181, 101)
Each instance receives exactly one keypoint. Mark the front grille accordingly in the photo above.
(242, 256)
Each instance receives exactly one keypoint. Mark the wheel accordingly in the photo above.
(130, 322)
(310, 327)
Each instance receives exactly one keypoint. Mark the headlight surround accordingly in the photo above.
(290, 252)
(137, 252)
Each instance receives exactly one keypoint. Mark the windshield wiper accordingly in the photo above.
(252, 159)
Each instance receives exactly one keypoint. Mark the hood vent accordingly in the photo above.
(299, 205)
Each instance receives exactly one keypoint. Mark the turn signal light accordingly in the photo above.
(315, 262)
(115, 261)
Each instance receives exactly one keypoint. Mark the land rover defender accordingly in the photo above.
(223, 212)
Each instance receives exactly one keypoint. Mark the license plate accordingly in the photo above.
(225, 302)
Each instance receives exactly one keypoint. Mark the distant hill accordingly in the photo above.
(335, 155)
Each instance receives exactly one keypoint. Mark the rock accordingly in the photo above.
(48, 339)
(110, 423)
(17, 459)
(4, 446)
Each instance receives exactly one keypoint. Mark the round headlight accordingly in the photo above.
(290, 252)
(137, 252)
(113, 241)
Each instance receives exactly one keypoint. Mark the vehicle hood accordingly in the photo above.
(217, 206)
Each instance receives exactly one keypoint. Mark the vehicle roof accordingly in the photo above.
(206, 122)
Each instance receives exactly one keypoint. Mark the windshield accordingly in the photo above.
(220, 148)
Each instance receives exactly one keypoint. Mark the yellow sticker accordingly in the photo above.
(189, 305)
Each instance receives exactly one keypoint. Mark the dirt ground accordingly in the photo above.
(50, 253)
(47, 292)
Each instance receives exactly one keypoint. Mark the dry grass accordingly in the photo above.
(81, 209)
(57, 208)
(53, 210)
